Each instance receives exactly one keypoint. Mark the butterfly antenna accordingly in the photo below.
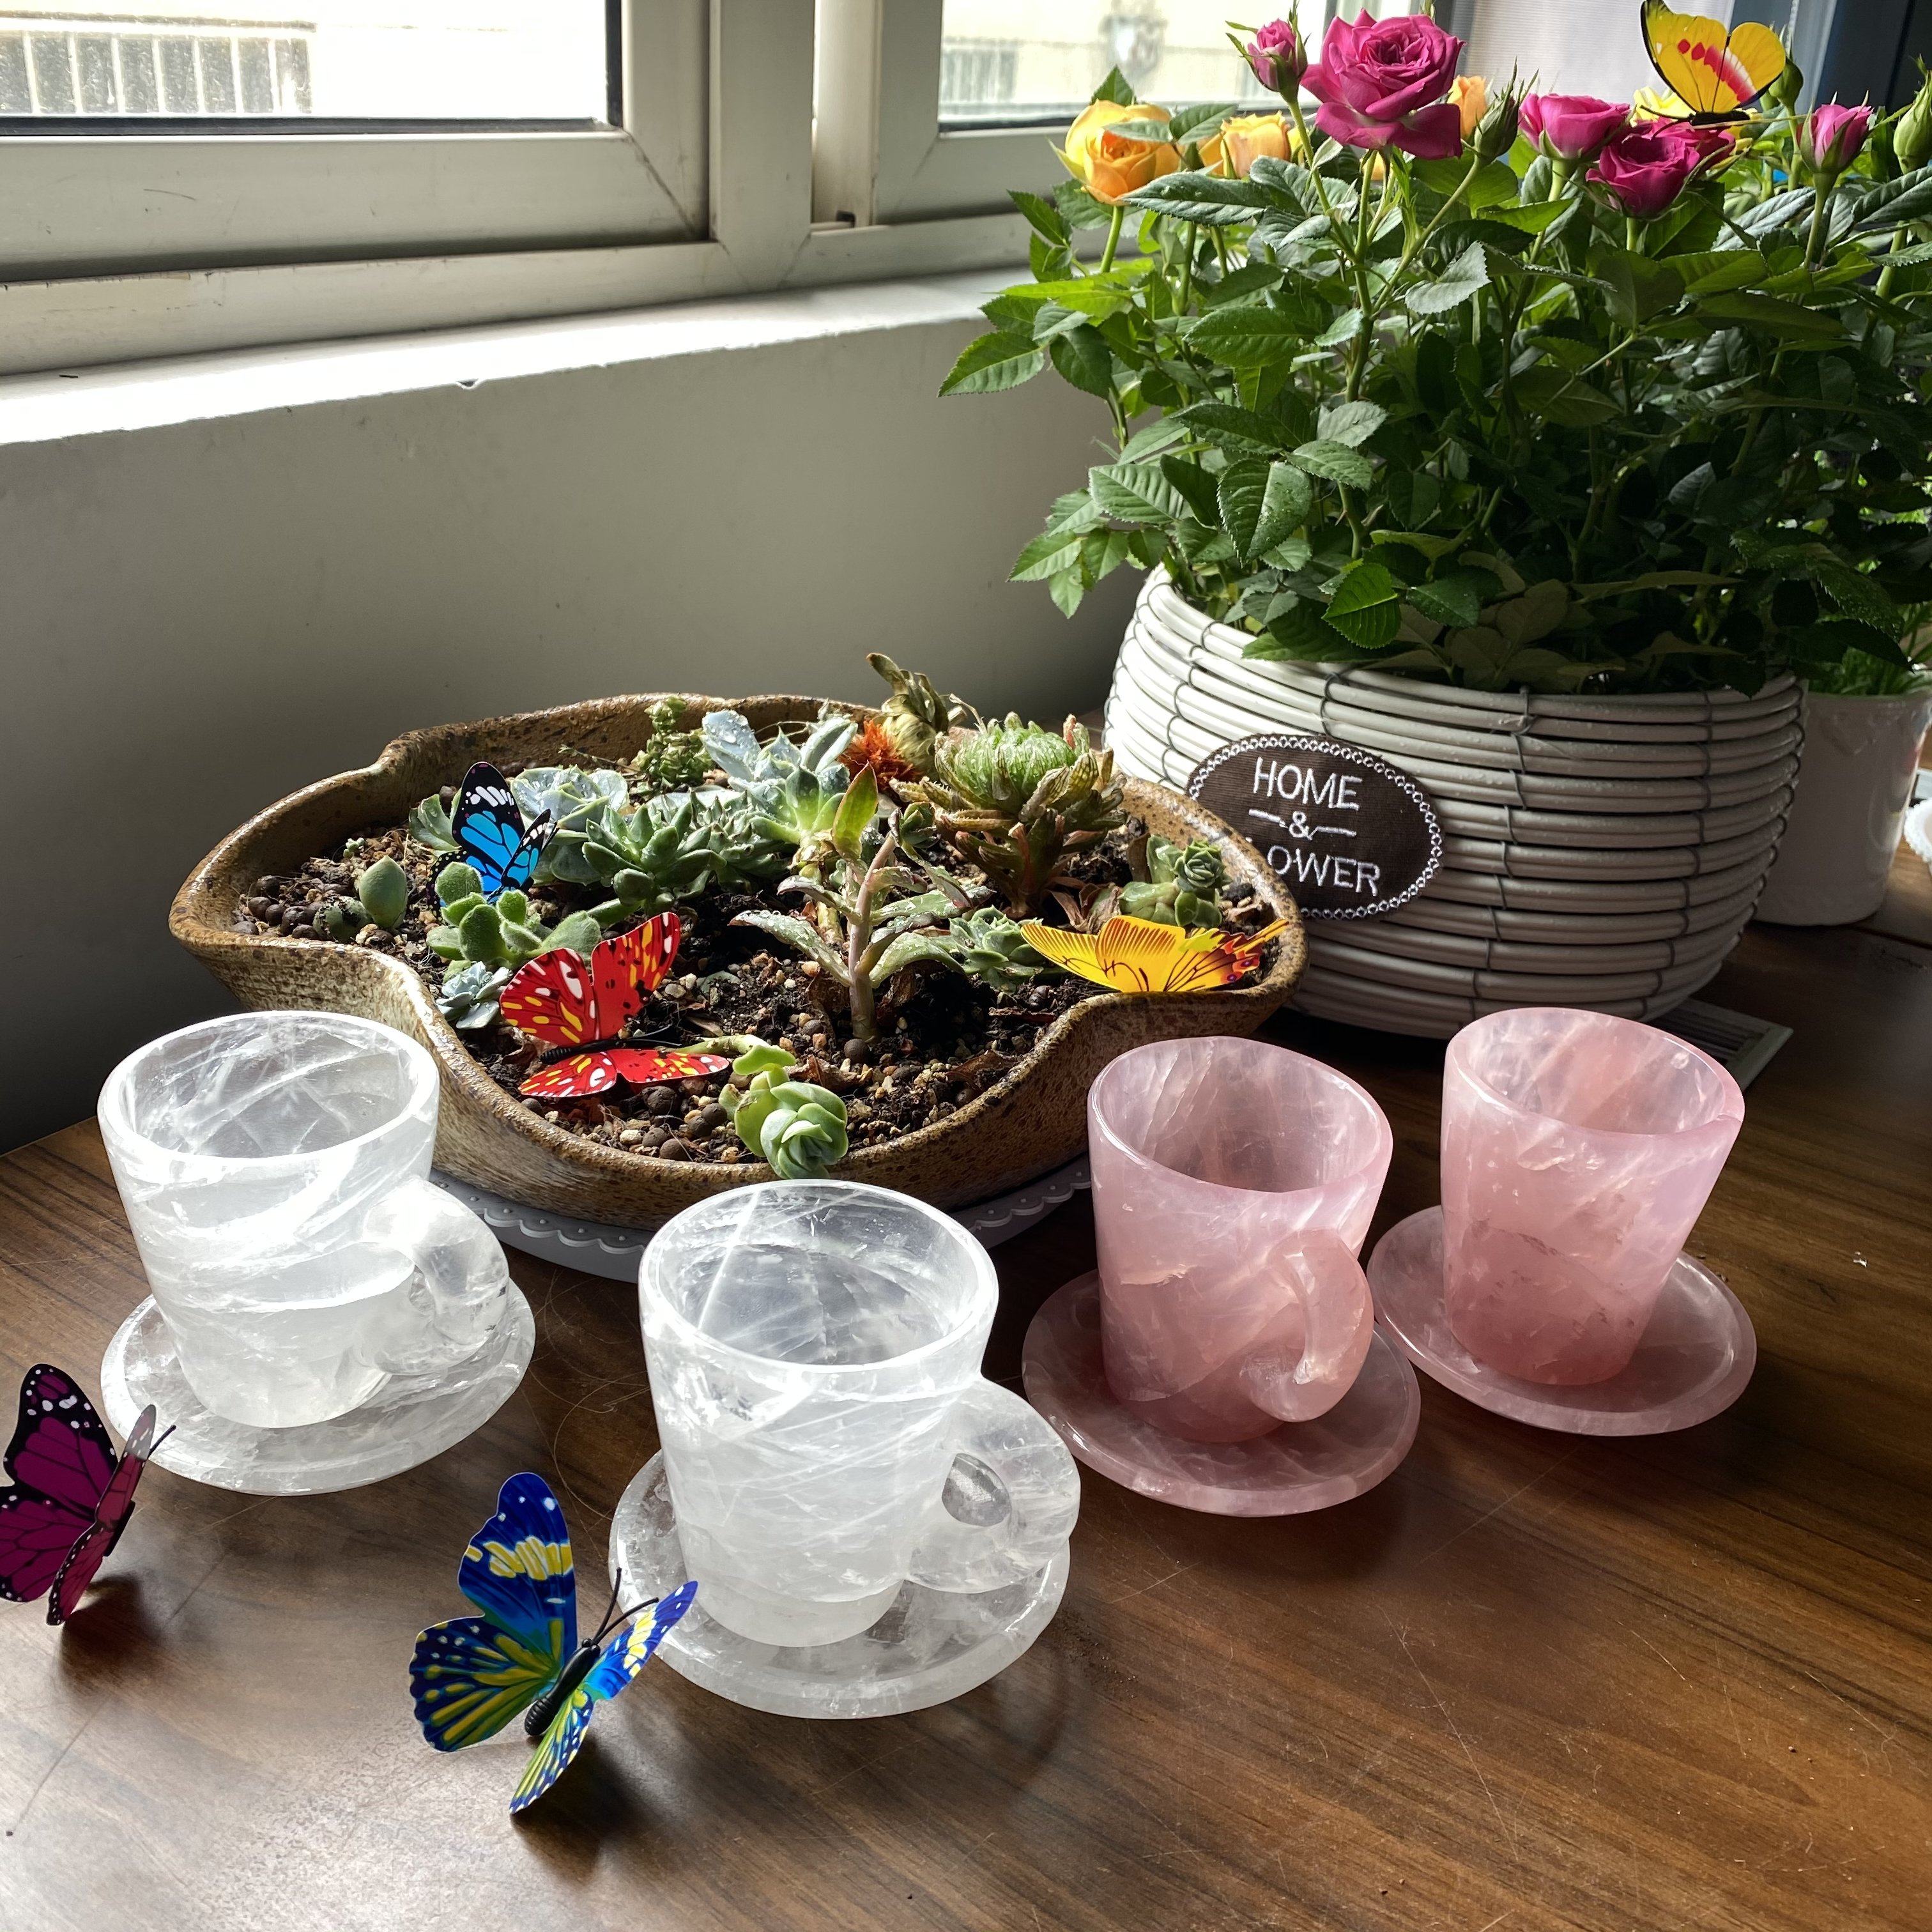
(610, 1609)
(153, 1446)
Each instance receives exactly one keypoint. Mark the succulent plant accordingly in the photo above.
(381, 897)
(383, 891)
(794, 790)
(669, 848)
(990, 947)
(917, 712)
(672, 759)
(869, 927)
(429, 824)
(469, 994)
(1183, 886)
(798, 1128)
(499, 932)
(1018, 800)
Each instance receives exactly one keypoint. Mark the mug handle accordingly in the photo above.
(461, 1285)
(1011, 1497)
(1336, 1329)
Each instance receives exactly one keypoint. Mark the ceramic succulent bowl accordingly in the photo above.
(1028, 1124)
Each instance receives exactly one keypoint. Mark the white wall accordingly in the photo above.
(200, 615)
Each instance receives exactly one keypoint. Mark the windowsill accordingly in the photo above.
(46, 408)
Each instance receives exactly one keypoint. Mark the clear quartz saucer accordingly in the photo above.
(409, 1418)
(931, 1645)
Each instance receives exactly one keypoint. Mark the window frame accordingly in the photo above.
(883, 155)
(125, 200)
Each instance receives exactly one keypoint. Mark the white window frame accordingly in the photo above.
(707, 190)
(883, 155)
(123, 203)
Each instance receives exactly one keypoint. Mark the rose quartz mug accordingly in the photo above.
(1578, 1150)
(1233, 1186)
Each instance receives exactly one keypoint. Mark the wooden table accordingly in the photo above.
(1531, 1681)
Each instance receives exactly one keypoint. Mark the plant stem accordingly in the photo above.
(1900, 236)
(1820, 217)
(859, 942)
(1113, 238)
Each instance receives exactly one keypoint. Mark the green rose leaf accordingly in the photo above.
(1336, 461)
(1135, 492)
(1464, 277)
(1082, 357)
(1455, 599)
(1366, 607)
(1248, 338)
(1351, 423)
(1000, 361)
(1225, 423)
(1299, 635)
(1213, 200)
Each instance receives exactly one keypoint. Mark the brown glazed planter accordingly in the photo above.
(1030, 1122)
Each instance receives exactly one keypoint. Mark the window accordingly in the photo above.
(181, 177)
(1009, 60)
(233, 137)
(373, 61)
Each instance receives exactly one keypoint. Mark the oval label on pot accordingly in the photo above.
(1348, 833)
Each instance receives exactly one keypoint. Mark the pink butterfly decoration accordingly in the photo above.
(71, 1495)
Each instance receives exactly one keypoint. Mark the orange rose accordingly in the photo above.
(1243, 139)
(1470, 96)
(1112, 165)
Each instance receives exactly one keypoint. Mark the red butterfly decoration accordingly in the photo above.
(71, 1495)
(557, 997)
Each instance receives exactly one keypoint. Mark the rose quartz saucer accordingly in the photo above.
(1694, 1359)
(1302, 1466)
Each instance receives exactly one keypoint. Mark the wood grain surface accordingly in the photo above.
(1530, 1682)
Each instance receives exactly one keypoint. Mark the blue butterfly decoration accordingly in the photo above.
(487, 825)
(471, 1675)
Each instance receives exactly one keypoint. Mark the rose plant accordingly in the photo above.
(1511, 391)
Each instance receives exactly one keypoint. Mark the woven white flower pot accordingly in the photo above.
(1600, 852)
(1861, 758)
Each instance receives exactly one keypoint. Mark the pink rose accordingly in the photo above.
(1831, 138)
(1381, 82)
(1646, 167)
(1571, 126)
(1277, 57)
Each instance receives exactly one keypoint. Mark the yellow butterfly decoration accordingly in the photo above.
(1141, 955)
(1718, 72)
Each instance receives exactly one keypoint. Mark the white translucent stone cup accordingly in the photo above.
(274, 1168)
(814, 1351)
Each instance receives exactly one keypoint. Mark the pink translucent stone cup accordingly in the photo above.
(1233, 1186)
(1578, 1150)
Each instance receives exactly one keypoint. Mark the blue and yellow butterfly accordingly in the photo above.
(471, 1675)
(1718, 72)
(487, 825)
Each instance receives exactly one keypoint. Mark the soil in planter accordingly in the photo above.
(943, 1040)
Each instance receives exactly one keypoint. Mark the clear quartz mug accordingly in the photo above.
(814, 1350)
(1578, 1150)
(274, 1169)
(1234, 1183)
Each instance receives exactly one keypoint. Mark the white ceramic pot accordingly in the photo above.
(1854, 784)
(1600, 852)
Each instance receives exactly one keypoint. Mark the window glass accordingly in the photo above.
(1010, 61)
(343, 60)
